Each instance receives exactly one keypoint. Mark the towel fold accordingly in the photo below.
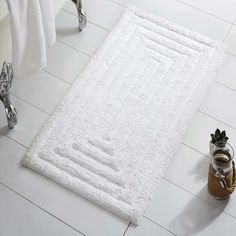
(33, 31)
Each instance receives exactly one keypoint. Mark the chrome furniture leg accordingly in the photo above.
(6, 77)
(81, 14)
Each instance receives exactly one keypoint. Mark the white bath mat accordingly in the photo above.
(114, 133)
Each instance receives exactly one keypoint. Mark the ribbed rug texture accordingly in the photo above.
(113, 134)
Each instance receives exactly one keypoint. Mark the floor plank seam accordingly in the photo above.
(28, 200)
(204, 155)
(49, 114)
(225, 86)
(126, 229)
(87, 21)
(160, 225)
(212, 117)
(57, 77)
(194, 149)
(119, 4)
(231, 54)
(206, 12)
(191, 6)
(203, 200)
(68, 45)
(74, 49)
(27, 102)
(228, 32)
(5, 135)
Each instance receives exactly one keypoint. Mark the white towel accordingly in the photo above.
(33, 31)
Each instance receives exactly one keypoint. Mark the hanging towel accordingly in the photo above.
(33, 31)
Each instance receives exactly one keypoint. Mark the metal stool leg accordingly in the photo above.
(6, 77)
(81, 14)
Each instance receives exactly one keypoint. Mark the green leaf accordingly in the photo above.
(223, 134)
(217, 132)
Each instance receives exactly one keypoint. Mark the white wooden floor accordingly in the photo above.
(33, 205)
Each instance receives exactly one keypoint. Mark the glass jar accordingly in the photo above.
(221, 177)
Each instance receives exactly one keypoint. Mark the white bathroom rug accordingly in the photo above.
(112, 136)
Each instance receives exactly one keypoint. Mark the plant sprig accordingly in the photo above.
(219, 136)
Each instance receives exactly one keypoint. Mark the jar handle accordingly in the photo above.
(234, 179)
(224, 183)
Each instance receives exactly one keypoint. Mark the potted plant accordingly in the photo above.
(218, 138)
(222, 172)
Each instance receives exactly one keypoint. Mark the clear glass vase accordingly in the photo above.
(221, 178)
(222, 155)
